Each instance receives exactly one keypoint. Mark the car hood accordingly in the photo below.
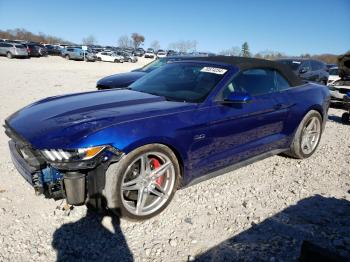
(120, 80)
(58, 122)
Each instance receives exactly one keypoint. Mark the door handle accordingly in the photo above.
(277, 106)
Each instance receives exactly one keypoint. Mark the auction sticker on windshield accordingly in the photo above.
(214, 70)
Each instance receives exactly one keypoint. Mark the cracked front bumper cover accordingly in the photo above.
(48, 177)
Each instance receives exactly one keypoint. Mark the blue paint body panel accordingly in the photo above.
(207, 136)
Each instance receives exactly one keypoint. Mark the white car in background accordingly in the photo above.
(333, 75)
(161, 53)
(109, 57)
(149, 53)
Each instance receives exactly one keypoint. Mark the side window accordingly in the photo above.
(305, 65)
(252, 81)
(314, 65)
(280, 82)
(319, 65)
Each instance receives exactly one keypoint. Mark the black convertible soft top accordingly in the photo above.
(244, 63)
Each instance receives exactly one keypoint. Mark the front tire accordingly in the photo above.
(307, 136)
(143, 182)
(67, 57)
(9, 55)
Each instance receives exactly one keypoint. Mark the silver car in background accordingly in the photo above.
(13, 50)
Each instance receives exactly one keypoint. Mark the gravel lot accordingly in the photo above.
(260, 212)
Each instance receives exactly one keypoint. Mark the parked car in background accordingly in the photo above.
(139, 52)
(129, 150)
(308, 69)
(52, 50)
(329, 66)
(89, 56)
(333, 75)
(149, 53)
(127, 49)
(161, 53)
(33, 49)
(340, 89)
(74, 53)
(12, 50)
(42, 50)
(128, 57)
(171, 53)
(15, 41)
(109, 57)
(125, 79)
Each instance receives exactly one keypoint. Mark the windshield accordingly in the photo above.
(154, 65)
(334, 72)
(293, 64)
(185, 82)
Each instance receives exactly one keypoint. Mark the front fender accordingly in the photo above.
(127, 138)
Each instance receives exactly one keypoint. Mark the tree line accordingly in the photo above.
(136, 40)
(23, 34)
(272, 55)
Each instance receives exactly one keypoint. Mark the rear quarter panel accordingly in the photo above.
(302, 99)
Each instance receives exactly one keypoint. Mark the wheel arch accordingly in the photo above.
(317, 108)
(314, 107)
(180, 156)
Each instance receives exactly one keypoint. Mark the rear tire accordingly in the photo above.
(9, 55)
(124, 202)
(306, 139)
(67, 57)
(345, 118)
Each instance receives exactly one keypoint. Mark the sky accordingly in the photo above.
(293, 27)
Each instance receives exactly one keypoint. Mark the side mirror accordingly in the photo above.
(237, 98)
(303, 70)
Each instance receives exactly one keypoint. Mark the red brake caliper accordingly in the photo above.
(155, 163)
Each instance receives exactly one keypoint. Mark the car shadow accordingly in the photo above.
(335, 118)
(88, 240)
(315, 229)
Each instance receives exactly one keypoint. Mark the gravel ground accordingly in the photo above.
(261, 212)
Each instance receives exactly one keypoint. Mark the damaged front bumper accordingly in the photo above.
(78, 182)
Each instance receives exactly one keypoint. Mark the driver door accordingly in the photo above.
(241, 131)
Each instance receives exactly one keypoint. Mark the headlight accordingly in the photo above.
(60, 155)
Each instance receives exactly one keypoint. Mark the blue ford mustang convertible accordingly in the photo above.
(130, 149)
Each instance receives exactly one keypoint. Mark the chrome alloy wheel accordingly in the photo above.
(147, 183)
(310, 135)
